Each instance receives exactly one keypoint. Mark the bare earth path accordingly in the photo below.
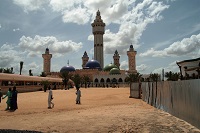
(102, 110)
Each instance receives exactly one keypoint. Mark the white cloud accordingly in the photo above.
(0, 26)
(38, 45)
(153, 53)
(72, 11)
(34, 67)
(62, 5)
(124, 65)
(132, 19)
(8, 55)
(141, 67)
(77, 15)
(187, 46)
(31, 5)
(171, 67)
(17, 29)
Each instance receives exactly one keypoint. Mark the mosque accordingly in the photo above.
(94, 69)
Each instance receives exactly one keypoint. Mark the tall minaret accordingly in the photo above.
(98, 31)
(85, 59)
(116, 59)
(131, 60)
(47, 61)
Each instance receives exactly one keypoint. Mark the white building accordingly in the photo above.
(190, 68)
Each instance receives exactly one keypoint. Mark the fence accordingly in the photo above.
(179, 98)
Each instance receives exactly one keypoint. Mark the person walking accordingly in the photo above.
(50, 98)
(78, 95)
(14, 99)
(9, 95)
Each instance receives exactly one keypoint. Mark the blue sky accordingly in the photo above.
(161, 31)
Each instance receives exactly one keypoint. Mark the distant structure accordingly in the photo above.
(98, 29)
(47, 61)
(99, 75)
(85, 59)
(189, 68)
(131, 60)
(116, 59)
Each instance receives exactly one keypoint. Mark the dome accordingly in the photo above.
(67, 68)
(109, 67)
(115, 71)
(92, 64)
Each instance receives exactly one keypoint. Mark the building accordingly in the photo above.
(47, 61)
(98, 29)
(189, 68)
(131, 60)
(94, 69)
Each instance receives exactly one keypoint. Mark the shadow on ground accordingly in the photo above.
(17, 131)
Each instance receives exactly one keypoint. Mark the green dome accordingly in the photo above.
(115, 71)
(109, 67)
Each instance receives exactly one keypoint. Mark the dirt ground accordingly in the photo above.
(102, 110)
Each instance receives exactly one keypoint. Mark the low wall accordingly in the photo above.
(179, 98)
(28, 88)
(134, 90)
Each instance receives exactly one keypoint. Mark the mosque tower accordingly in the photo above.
(47, 61)
(131, 60)
(116, 59)
(85, 59)
(98, 29)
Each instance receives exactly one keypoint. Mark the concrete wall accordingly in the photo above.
(179, 98)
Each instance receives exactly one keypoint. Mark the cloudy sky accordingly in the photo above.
(161, 31)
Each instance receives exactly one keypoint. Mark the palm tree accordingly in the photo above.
(168, 75)
(30, 73)
(65, 76)
(86, 79)
(131, 78)
(1, 70)
(172, 76)
(45, 83)
(21, 66)
(77, 79)
(11, 69)
(43, 74)
(7, 70)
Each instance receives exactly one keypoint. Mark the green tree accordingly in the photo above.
(7, 70)
(172, 76)
(77, 79)
(43, 74)
(134, 77)
(30, 73)
(1, 70)
(86, 79)
(65, 78)
(11, 69)
(45, 84)
(21, 66)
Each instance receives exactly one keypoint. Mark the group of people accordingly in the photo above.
(11, 100)
(50, 97)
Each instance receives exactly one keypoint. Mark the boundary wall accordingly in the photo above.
(179, 98)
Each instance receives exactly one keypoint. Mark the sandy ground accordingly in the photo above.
(101, 110)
